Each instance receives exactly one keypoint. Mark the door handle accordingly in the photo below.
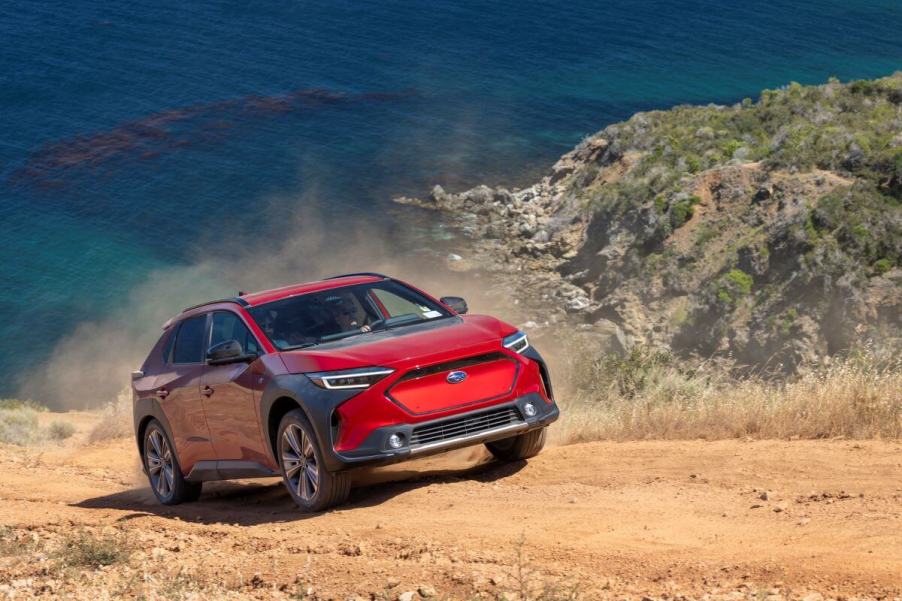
(207, 391)
(162, 393)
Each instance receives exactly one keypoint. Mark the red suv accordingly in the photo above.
(311, 380)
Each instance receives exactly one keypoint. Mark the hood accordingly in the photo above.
(406, 347)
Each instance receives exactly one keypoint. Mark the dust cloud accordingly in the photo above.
(91, 365)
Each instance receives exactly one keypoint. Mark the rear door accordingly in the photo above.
(178, 391)
(228, 395)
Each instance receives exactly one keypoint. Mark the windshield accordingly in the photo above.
(318, 317)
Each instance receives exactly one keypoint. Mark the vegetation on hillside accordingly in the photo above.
(779, 220)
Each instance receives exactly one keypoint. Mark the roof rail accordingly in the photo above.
(237, 300)
(349, 275)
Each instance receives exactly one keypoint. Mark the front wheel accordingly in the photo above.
(162, 466)
(311, 485)
(518, 448)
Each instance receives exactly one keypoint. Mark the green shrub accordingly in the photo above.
(83, 549)
(881, 266)
(18, 403)
(682, 210)
(19, 426)
(60, 430)
(733, 286)
(741, 280)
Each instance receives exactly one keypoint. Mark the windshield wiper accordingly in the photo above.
(398, 321)
(300, 346)
(341, 335)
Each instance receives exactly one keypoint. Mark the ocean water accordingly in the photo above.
(139, 136)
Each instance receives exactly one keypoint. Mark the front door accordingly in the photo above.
(228, 397)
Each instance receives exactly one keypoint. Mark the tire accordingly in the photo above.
(163, 470)
(310, 484)
(518, 448)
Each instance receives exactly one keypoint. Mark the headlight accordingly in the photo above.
(352, 378)
(516, 342)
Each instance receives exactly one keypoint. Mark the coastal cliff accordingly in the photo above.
(768, 231)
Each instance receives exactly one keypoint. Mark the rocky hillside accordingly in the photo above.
(770, 230)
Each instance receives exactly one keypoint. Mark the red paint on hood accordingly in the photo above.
(405, 347)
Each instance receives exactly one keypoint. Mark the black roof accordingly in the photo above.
(235, 299)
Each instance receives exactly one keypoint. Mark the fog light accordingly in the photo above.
(395, 441)
(529, 409)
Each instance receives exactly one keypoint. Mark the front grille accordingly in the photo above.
(452, 365)
(458, 427)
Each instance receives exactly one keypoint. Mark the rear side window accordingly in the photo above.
(167, 348)
(228, 326)
(189, 341)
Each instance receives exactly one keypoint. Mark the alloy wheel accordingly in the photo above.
(299, 462)
(159, 463)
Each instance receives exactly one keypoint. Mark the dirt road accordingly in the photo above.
(607, 520)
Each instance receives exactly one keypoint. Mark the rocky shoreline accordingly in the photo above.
(711, 231)
(520, 238)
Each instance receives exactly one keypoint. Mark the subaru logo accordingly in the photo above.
(456, 377)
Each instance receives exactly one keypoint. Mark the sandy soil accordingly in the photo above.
(730, 519)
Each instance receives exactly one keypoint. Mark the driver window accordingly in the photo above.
(228, 326)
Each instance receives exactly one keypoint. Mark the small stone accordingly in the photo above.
(756, 506)
(779, 508)
(392, 582)
(803, 521)
(763, 495)
(454, 257)
(426, 591)
(578, 303)
(406, 596)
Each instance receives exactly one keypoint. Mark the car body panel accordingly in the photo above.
(184, 410)
(432, 392)
(231, 411)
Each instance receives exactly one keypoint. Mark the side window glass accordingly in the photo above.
(228, 326)
(167, 348)
(189, 342)
(396, 305)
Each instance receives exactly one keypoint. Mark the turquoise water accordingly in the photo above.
(135, 136)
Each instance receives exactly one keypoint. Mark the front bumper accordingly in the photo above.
(387, 418)
(376, 451)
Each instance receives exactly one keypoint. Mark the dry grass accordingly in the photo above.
(19, 424)
(116, 421)
(85, 549)
(649, 395)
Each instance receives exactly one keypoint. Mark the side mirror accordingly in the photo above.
(455, 302)
(229, 351)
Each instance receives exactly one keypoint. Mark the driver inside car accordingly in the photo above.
(345, 314)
